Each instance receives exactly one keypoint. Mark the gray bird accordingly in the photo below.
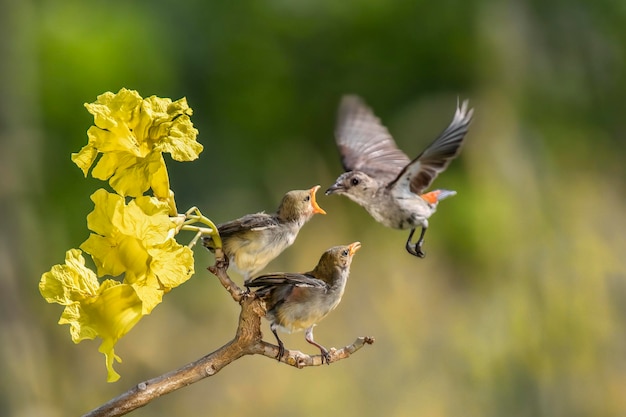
(254, 240)
(299, 301)
(382, 179)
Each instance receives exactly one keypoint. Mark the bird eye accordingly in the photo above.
(307, 198)
(345, 252)
(355, 181)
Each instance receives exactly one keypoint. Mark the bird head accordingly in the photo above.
(299, 205)
(337, 258)
(356, 185)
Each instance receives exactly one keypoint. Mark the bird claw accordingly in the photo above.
(415, 250)
(325, 356)
(281, 352)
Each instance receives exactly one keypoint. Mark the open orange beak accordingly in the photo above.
(316, 208)
(353, 247)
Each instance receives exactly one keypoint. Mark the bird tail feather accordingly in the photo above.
(435, 196)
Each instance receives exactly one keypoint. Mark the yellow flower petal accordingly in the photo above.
(160, 183)
(107, 207)
(109, 110)
(85, 157)
(115, 311)
(67, 283)
(105, 254)
(130, 175)
(106, 347)
(80, 329)
(148, 289)
(104, 246)
(112, 314)
(176, 132)
(151, 206)
(172, 263)
(133, 255)
(125, 232)
(147, 219)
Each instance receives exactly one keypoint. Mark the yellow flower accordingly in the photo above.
(135, 239)
(131, 133)
(108, 310)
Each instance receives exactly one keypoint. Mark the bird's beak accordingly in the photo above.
(316, 207)
(353, 247)
(333, 189)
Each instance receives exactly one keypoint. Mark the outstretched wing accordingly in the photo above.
(421, 172)
(364, 143)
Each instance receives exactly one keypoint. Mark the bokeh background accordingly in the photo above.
(519, 308)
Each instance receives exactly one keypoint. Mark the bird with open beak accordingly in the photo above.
(298, 302)
(254, 240)
(382, 179)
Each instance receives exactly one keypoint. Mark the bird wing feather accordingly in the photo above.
(286, 278)
(422, 171)
(255, 222)
(364, 143)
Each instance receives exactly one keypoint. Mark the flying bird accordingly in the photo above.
(382, 179)
(254, 240)
(299, 301)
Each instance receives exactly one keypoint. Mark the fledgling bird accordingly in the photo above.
(299, 301)
(254, 240)
(382, 179)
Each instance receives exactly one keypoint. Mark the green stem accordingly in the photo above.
(192, 217)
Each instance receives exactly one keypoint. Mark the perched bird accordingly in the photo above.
(382, 179)
(299, 301)
(252, 241)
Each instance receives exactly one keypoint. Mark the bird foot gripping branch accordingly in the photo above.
(301, 360)
(219, 269)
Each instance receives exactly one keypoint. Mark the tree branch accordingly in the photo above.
(219, 270)
(300, 360)
(247, 341)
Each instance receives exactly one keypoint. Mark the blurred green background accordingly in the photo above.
(519, 308)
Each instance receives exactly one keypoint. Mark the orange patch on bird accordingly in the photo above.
(431, 197)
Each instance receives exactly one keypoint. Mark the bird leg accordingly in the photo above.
(281, 346)
(416, 250)
(308, 336)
